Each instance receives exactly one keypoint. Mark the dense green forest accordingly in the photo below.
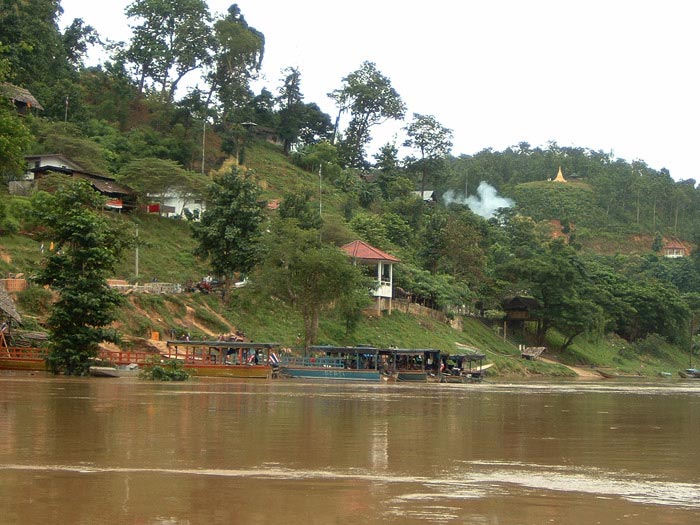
(589, 250)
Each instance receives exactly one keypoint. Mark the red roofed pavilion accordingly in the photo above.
(673, 249)
(360, 251)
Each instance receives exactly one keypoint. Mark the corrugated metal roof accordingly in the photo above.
(7, 305)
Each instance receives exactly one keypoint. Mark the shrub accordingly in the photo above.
(168, 370)
(35, 299)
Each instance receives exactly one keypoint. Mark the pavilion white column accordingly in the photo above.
(391, 286)
(379, 296)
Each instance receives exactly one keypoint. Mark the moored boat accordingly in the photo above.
(353, 363)
(690, 373)
(411, 364)
(200, 358)
(610, 373)
(103, 371)
(238, 359)
(464, 367)
(26, 358)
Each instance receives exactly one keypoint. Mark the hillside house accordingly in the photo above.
(674, 249)
(22, 99)
(427, 196)
(381, 266)
(120, 197)
(174, 204)
(519, 309)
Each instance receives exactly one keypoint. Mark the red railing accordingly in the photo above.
(23, 352)
(128, 358)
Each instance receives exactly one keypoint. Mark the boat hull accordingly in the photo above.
(22, 364)
(234, 371)
(412, 375)
(330, 373)
(23, 358)
(103, 371)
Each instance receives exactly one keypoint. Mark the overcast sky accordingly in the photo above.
(610, 75)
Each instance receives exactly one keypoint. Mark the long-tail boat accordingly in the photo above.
(690, 373)
(225, 358)
(464, 366)
(354, 363)
(200, 358)
(27, 358)
(412, 364)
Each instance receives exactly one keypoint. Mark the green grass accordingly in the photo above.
(281, 177)
(647, 357)
(19, 253)
(165, 251)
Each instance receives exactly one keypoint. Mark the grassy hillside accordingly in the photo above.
(571, 201)
(166, 252)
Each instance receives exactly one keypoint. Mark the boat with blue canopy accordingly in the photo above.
(354, 363)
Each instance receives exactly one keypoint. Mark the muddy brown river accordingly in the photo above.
(84, 451)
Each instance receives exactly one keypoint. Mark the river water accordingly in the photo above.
(83, 451)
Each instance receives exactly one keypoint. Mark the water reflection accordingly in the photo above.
(262, 452)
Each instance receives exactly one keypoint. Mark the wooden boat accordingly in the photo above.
(610, 373)
(690, 373)
(200, 358)
(351, 363)
(238, 359)
(103, 371)
(464, 367)
(25, 358)
(411, 364)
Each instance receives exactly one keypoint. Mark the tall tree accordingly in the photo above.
(14, 135)
(315, 125)
(42, 59)
(87, 245)
(291, 103)
(370, 98)
(230, 228)
(29, 29)
(171, 38)
(76, 39)
(432, 140)
(301, 207)
(237, 57)
(14, 140)
(311, 276)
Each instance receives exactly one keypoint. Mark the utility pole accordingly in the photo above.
(137, 252)
(204, 135)
(320, 205)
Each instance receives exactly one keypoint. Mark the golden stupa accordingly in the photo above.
(560, 176)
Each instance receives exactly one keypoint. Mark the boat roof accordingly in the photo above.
(469, 356)
(223, 344)
(343, 349)
(410, 351)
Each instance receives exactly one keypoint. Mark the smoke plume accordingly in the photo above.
(485, 203)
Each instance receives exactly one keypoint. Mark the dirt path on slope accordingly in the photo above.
(583, 373)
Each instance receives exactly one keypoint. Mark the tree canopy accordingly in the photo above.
(229, 230)
(370, 99)
(86, 246)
